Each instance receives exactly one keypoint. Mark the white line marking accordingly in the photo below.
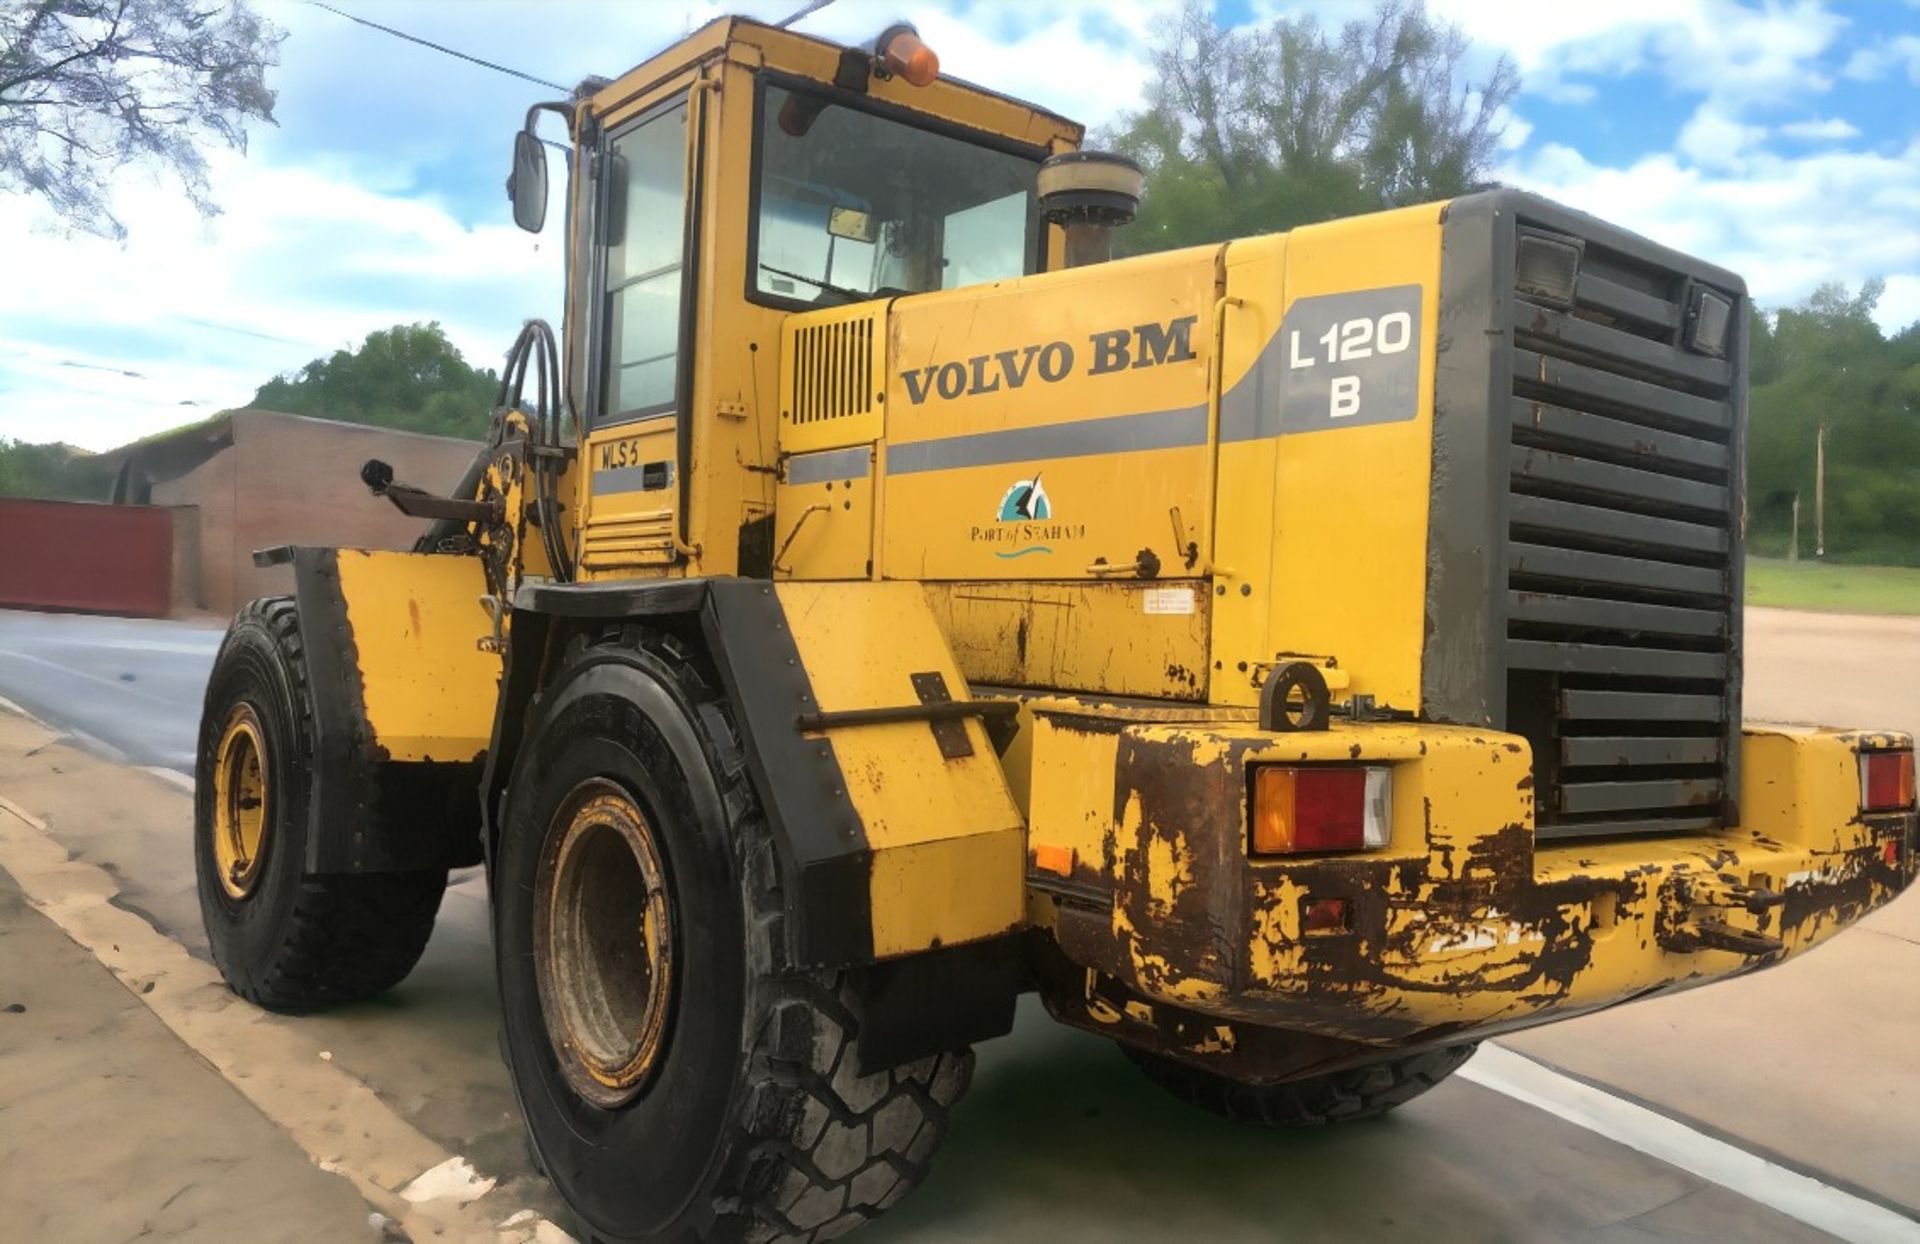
(172, 777)
(178, 647)
(1798, 1196)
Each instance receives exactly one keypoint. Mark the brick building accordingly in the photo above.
(252, 479)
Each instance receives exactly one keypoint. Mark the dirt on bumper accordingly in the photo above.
(1464, 926)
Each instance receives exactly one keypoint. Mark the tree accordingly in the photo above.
(52, 470)
(87, 86)
(1252, 131)
(408, 377)
(1826, 363)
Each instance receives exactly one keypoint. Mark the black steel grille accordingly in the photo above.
(1622, 545)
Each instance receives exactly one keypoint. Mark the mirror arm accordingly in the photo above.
(563, 107)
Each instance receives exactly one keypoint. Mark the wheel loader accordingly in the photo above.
(1296, 659)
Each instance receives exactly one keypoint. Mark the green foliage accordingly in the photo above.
(55, 470)
(1825, 362)
(1254, 131)
(408, 377)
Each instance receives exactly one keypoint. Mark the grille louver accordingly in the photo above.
(1621, 637)
(832, 371)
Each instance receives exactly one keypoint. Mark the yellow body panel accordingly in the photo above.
(1335, 498)
(1132, 638)
(944, 834)
(1093, 381)
(416, 622)
(633, 496)
(824, 529)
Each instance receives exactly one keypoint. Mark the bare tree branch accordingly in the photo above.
(89, 85)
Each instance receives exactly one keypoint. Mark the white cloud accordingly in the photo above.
(1514, 130)
(1874, 63)
(1715, 141)
(1821, 129)
(1732, 54)
(1784, 224)
(205, 311)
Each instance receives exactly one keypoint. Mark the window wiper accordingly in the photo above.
(851, 295)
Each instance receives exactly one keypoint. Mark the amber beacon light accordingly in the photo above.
(903, 54)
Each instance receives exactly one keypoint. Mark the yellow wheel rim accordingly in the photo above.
(240, 802)
(603, 942)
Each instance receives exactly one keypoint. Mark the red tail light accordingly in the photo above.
(1886, 781)
(1320, 809)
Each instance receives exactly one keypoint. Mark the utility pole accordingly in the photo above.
(1820, 492)
(1793, 545)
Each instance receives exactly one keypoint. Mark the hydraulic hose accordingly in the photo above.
(536, 346)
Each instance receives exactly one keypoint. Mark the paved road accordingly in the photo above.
(133, 685)
(1060, 1139)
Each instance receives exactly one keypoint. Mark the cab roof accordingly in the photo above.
(759, 45)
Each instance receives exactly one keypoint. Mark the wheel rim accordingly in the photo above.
(240, 815)
(603, 942)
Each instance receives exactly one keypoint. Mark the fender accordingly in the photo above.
(403, 703)
(893, 847)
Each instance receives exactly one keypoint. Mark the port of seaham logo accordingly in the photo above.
(1026, 501)
(1024, 521)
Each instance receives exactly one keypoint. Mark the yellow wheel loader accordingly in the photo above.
(1296, 659)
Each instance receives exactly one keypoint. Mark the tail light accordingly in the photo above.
(1886, 781)
(1321, 809)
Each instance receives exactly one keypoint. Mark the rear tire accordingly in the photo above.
(284, 940)
(1338, 1097)
(739, 1113)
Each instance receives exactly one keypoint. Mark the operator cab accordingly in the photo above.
(743, 175)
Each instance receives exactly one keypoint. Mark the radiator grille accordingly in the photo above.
(832, 371)
(1621, 561)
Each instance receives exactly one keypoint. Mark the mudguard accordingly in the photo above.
(403, 705)
(893, 817)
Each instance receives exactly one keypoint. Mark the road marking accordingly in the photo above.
(172, 777)
(338, 1120)
(177, 647)
(1798, 1196)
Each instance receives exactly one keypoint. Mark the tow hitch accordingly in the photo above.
(1708, 908)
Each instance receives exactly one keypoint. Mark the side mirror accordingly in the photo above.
(527, 184)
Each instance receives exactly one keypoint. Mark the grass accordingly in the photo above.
(1838, 589)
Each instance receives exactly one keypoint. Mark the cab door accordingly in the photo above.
(639, 364)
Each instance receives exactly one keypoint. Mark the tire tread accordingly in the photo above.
(805, 1102)
(348, 937)
(1337, 1097)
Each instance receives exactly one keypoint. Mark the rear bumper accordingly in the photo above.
(1463, 927)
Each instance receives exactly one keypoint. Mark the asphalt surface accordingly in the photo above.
(130, 684)
(1059, 1140)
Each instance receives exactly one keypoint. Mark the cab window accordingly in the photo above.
(645, 249)
(855, 205)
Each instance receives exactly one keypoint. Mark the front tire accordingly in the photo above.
(284, 940)
(1337, 1097)
(687, 1083)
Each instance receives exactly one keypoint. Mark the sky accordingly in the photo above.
(1779, 138)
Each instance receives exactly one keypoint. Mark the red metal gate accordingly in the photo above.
(88, 557)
